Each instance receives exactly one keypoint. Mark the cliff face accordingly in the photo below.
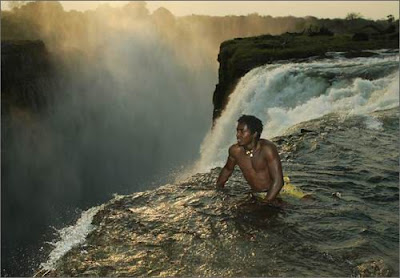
(27, 87)
(239, 56)
(26, 74)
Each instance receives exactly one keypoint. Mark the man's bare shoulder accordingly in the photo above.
(234, 150)
(267, 146)
(266, 143)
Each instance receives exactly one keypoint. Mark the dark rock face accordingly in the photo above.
(26, 73)
(27, 90)
(230, 72)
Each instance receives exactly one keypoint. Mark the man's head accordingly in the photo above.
(251, 124)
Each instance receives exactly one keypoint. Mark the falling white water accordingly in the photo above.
(285, 95)
(71, 236)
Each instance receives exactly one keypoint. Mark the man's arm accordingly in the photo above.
(226, 172)
(275, 171)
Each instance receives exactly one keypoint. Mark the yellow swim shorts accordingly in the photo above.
(288, 190)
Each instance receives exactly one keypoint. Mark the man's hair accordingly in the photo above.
(253, 123)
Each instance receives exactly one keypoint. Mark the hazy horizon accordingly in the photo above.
(321, 9)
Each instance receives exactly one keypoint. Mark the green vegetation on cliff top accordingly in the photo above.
(245, 54)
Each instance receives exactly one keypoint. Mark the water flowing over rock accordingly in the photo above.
(239, 56)
(191, 229)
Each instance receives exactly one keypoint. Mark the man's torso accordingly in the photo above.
(254, 169)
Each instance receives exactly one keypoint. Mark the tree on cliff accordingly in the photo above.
(390, 18)
(353, 16)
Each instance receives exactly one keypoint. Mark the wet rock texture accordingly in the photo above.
(374, 268)
(154, 233)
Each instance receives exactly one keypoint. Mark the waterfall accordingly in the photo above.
(284, 95)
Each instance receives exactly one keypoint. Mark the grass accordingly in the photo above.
(265, 49)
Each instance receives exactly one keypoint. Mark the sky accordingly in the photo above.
(320, 9)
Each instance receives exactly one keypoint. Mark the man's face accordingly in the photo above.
(243, 135)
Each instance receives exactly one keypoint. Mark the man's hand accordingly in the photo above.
(226, 171)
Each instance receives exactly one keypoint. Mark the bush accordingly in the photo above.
(360, 37)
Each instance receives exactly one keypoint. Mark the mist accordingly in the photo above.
(129, 109)
(130, 105)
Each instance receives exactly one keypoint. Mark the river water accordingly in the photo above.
(336, 125)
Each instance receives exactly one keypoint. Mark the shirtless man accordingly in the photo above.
(257, 158)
